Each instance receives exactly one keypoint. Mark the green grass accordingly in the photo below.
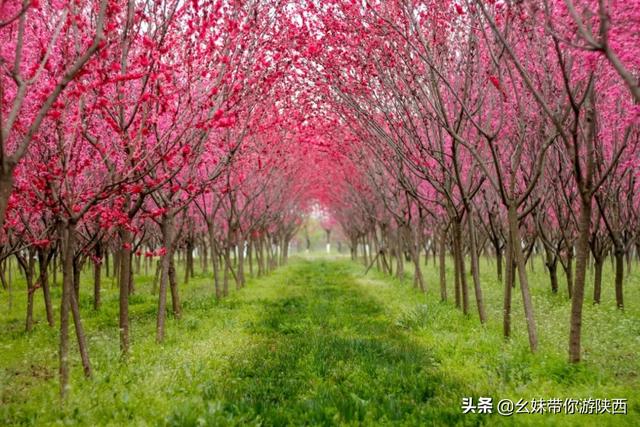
(318, 343)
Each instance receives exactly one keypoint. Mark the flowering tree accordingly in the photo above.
(428, 128)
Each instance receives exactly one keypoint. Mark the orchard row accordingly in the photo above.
(141, 128)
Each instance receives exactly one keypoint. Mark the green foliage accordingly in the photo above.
(316, 343)
(416, 318)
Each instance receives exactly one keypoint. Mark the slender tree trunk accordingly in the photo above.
(372, 238)
(260, 255)
(399, 250)
(125, 271)
(462, 275)
(569, 271)
(81, 337)
(54, 268)
(166, 228)
(138, 259)
(44, 257)
(97, 276)
(475, 269)
(551, 263)
(131, 286)
(175, 296)
(240, 272)
(577, 300)
(106, 263)
(225, 274)
(597, 281)
(354, 248)
(6, 187)
(28, 265)
(498, 250)
(443, 265)
(205, 258)
(508, 285)
(250, 256)
(68, 239)
(214, 260)
(189, 268)
(6, 282)
(285, 249)
(415, 254)
(522, 277)
(456, 269)
(619, 276)
(156, 277)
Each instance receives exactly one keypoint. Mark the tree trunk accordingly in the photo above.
(597, 281)
(285, 249)
(443, 265)
(214, 259)
(498, 250)
(569, 271)
(175, 296)
(205, 258)
(156, 278)
(189, 268)
(415, 255)
(44, 258)
(551, 263)
(131, 286)
(54, 268)
(475, 269)
(68, 238)
(250, 256)
(459, 256)
(81, 338)
(508, 285)
(125, 270)
(6, 282)
(399, 261)
(6, 188)
(97, 276)
(166, 228)
(225, 274)
(138, 265)
(240, 267)
(619, 276)
(577, 300)
(106, 263)
(456, 269)
(28, 267)
(522, 277)
(353, 248)
(260, 255)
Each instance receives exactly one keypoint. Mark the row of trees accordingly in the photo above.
(487, 127)
(144, 128)
(137, 130)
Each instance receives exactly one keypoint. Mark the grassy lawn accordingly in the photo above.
(318, 343)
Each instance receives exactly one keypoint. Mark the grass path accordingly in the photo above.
(316, 343)
(328, 353)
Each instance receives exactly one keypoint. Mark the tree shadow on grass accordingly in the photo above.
(328, 355)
